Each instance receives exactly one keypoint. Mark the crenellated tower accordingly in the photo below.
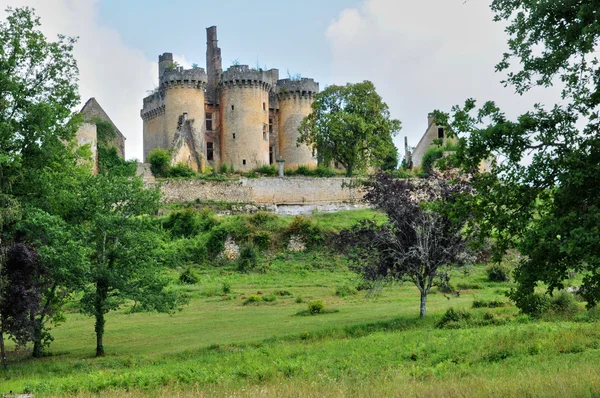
(245, 117)
(295, 99)
(176, 105)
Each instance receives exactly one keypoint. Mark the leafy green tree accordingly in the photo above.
(109, 160)
(124, 241)
(541, 195)
(351, 125)
(160, 162)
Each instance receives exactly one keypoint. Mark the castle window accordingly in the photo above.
(270, 155)
(234, 136)
(210, 151)
(209, 125)
(270, 125)
(265, 135)
(440, 132)
(264, 106)
(244, 162)
(232, 107)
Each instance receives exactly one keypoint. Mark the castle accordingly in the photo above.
(242, 117)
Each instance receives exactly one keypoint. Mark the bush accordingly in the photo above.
(181, 170)
(188, 276)
(303, 171)
(299, 300)
(223, 169)
(248, 260)
(262, 218)
(498, 272)
(343, 291)
(226, 288)
(262, 240)
(160, 161)
(306, 229)
(453, 319)
(563, 304)
(316, 307)
(533, 305)
(216, 241)
(489, 304)
(270, 298)
(253, 299)
(323, 171)
(183, 223)
(430, 157)
(266, 170)
(282, 293)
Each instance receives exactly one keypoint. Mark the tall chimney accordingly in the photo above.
(214, 64)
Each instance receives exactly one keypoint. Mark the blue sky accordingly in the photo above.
(421, 55)
(287, 35)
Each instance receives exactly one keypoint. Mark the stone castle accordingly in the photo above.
(241, 117)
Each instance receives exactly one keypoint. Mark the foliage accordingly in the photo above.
(432, 154)
(316, 307)
(181, 170)
(160, 162)
(223, 168)
(345, 290)
(249, 259)
(418, 240)
(266, 170)
(189, 276)
(307, 229)
(390, 161)
(498, 272)
(262, 240)
(253, 299)
(453, 317)
(351, 125)
(541, 195)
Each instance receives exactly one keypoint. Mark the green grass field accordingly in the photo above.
(217, 346)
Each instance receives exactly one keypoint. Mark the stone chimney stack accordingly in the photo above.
(214, 64)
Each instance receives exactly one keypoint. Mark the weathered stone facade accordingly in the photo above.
(278, 191)
(241, 117)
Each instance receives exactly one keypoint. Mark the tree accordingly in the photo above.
(419, 238)
(541, 195)
(123, 241)
(160, 162)
(351, 125)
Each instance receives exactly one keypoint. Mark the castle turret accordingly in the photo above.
(165, 61)
(245, 117)
(214, 64)
(295, 99)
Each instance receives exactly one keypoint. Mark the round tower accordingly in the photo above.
(184, 102)
(245, 117)
(295, 100)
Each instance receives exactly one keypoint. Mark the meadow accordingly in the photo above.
(366, 343)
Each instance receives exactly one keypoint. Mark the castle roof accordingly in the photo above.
(92, 109)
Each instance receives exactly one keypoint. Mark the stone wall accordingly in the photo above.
(289, 190)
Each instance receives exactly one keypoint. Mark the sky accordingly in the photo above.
(421, 55)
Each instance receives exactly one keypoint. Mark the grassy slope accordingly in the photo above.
(371, 347)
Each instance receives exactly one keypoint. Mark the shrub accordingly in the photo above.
(303, 171)
(262, 240)
(452, 319)
(262, 218)
(160, 160)
(343, 291)
(231, 169)
(498, 272)
(430, 157)
(183, 223)
(299, 300)
(270, 298)
(253, 299)
(266, 170)
(282, 293)
(316, 307)
(564, 304)
(223, 169)
(216, 241)
(532, 304)
(188, 276)
(307, 229)
(248, 260)
(489, 304)
(226, 288)
(323, 171)
(181, 170)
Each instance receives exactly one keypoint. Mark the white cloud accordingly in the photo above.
(117, 75)
(424, 55)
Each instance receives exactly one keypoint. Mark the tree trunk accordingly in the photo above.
(37, 339)
(349, 170)
(3, 352)
(99, 328)
(423, 304)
